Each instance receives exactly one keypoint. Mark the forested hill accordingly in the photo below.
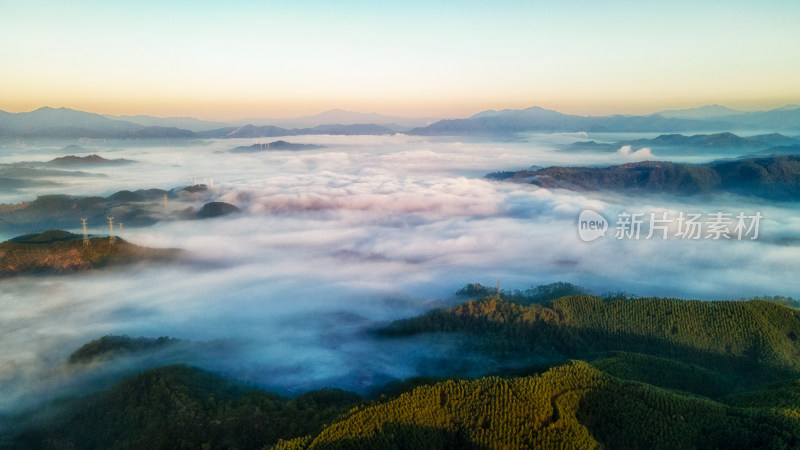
(573, 405)
(570, 406)
(59, 252)
(178, 407)
(623, 373)
(774, 177)
(756, 337)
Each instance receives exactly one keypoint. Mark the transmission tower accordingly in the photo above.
(85, 233)
(110, 229)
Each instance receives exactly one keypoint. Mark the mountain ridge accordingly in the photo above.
(65, 122)
(702, 112)
(537, 119)
(679, 144)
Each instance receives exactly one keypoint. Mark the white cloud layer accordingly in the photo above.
(334, 241)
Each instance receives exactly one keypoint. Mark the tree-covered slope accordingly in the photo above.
(747, 338)
(111, 346)
(569, 406)
(665, 373)
(656, 373)
(573, 405)
(783, 397)
(181, 407)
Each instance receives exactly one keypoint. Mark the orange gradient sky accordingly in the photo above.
(229, 60)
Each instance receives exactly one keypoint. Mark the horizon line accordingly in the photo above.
(399, 116)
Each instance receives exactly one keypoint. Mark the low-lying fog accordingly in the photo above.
(334, 241)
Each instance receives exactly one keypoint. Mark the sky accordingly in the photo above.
(236, 59)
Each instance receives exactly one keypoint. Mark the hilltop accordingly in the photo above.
(59, 252)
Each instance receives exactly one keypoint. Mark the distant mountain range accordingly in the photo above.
(773, 143)
(703, 112)
(716, 140)
(536, 119)
(28, 174)
(67, 123)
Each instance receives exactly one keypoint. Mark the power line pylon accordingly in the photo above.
(110, 229)
(85, 232)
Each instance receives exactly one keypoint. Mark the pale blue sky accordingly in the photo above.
(240, 58)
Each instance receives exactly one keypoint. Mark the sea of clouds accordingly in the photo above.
(336, 241)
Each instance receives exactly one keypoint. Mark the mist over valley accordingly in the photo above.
(294, 258)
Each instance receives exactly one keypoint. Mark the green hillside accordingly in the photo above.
(569, 406)
(626, 374)
(746, 339)
(666, 373)
(574, 405)
(180, 407)
(783, 397)
(110, 346)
